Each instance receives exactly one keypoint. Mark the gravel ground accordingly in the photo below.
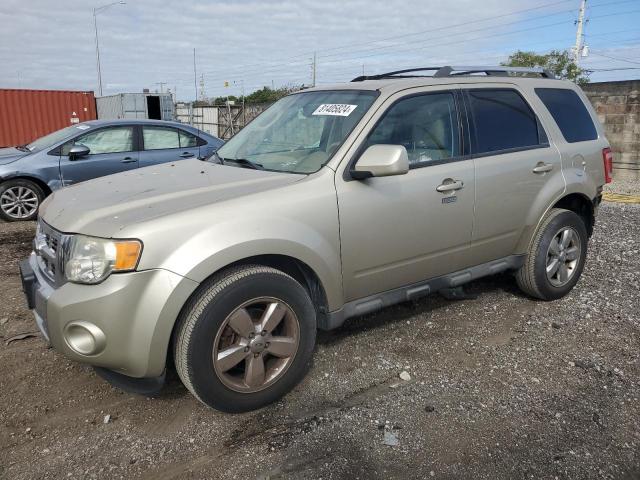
(500, 387)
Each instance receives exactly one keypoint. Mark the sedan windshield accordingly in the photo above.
(55, 137)
(300, 132)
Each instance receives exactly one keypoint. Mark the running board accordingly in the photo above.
(411, 292)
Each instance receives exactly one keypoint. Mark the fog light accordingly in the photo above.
(84, 338)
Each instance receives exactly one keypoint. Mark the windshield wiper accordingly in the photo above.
(22, 148)
(243, 162)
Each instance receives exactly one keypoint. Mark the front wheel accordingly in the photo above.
(245, 339)
(556, 257)
(19, 200)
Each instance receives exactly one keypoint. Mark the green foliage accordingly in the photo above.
(269, 95)
(264, 95)
(223, 100)
(560, 63)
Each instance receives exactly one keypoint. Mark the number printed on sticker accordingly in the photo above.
(336, 109)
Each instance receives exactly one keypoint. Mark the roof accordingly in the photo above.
(135, 121)
(144, 121)
(402, 79)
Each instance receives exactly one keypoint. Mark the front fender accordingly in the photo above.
(219, 247)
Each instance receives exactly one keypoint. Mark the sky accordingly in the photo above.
(46, 44)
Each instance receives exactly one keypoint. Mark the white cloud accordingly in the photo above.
(45, 44)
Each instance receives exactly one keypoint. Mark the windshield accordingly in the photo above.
(300, 132)
(55, 137)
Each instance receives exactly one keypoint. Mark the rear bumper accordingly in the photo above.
(123, 324)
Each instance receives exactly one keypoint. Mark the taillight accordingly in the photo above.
(607, 159)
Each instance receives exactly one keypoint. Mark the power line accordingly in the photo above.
(616, 58)
(516, 12)
(472, 39)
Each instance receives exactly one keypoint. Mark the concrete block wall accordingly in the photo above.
(618, 107)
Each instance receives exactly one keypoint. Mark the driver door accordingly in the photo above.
(111, 150)
(400, 230)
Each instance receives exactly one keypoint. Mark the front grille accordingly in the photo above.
(48, 248)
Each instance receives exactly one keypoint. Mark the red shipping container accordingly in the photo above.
(29, 114)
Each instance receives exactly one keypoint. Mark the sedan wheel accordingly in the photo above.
(19, 200)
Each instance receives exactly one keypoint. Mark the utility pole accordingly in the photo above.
(162, 84)
(97, 10)
(577, 50)
(202, 93)
(195, 76)
(313, 75)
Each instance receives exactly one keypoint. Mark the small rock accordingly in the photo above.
(584, 364)
(429, 408)
(390, 439)
(404, 375)
(4, 320)
(535, 380)
(555, 325)
(107, 419)
(28, 430)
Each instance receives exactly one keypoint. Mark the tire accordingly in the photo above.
(215, 320)
(533, 277)
(20, 200)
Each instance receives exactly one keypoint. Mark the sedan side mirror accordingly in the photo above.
(78, 150)
(381, 161)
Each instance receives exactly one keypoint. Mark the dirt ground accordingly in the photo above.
(501, 387)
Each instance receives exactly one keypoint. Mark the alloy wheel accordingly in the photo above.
(19, 202)
(256, 344)
(563, 256)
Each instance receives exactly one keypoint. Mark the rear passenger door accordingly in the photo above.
(166, 144)
(515, 165)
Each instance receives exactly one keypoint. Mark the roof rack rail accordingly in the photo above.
(449, 71)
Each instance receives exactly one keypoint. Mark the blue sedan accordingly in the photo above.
(28, 173)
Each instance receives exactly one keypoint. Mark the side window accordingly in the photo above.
(427, 126)
(159, 138)
(106, 140)
(567, 109)
(187, 140)
(502, 120)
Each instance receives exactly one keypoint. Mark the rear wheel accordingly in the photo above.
(556, 258)
(19, 200)
(245, 339)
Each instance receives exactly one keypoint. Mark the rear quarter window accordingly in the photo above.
(569, 113)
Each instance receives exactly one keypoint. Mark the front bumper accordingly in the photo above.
(131, 314)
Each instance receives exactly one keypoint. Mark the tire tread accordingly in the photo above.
(525, 277)
(193, 309)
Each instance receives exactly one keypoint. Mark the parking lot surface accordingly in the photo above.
(499, 386)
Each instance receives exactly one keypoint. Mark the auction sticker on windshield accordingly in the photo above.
(337, 109)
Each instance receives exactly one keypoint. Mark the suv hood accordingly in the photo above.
(11, 154)
(104, 206)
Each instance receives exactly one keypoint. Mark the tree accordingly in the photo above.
(559, 62)
(223, 100)
(269, 95)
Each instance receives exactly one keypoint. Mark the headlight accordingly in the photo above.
(91, 259)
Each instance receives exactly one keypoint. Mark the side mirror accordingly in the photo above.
(381, 161)
(78, 150)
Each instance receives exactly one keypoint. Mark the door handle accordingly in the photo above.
(449, 185)
(543, 167)
(128, 160)
(187, 155)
